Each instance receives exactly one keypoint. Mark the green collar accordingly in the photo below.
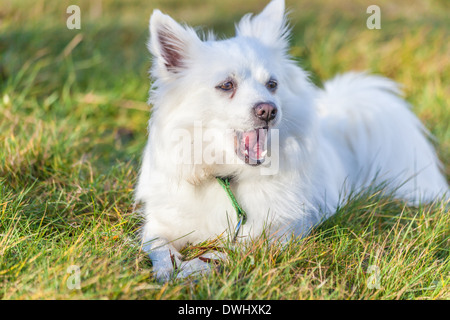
(241, 215)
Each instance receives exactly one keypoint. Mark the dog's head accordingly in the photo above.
(236, 89)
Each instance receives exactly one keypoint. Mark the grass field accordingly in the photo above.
(73, 125)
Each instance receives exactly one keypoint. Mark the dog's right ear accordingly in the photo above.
(170, 43)
(270, 26)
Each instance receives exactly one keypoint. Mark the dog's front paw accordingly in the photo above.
(193, 267)
(165, 263)
(201, 265)
(163, 274)
(181, 269)
(168, 269)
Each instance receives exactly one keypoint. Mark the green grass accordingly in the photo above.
(73, 125)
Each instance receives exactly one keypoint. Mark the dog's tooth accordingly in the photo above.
(263, 154)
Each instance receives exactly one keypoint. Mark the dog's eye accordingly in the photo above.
(272, 85)
(226, 86)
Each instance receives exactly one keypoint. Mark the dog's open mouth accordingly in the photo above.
(251, 146)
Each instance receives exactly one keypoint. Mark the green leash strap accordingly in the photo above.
(241, 215)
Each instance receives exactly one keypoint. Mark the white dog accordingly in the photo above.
(241, 142)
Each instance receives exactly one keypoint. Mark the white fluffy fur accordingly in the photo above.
(355, 133)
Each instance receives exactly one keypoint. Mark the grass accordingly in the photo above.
(73, 125)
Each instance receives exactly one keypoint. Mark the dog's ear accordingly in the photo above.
(170, 43)
(270, 26)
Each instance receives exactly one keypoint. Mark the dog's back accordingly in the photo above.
(379, 138)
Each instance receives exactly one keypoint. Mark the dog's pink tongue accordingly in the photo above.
(255, 143)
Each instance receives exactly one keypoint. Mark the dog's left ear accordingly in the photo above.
(270, 26)
(171, 44)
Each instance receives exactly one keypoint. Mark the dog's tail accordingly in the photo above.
(379, 136)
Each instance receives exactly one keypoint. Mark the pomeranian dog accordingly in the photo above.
(241, 142)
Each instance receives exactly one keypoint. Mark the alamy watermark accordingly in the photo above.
(374, 20)
(74, 20)
(74, 280)
(373, 282)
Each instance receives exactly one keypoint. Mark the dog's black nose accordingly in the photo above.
(265, 111)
